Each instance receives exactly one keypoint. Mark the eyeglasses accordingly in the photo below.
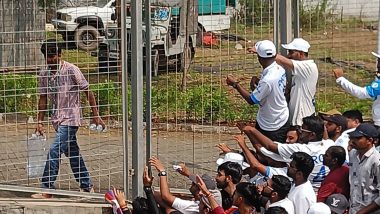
(301, 130)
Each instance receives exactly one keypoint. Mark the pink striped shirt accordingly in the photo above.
(63, 90)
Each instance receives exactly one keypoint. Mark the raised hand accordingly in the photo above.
(225, 149)
(147, 180)
(338, 72)
(240, 139)
(157, 164)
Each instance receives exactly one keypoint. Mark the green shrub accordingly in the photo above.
(18, 94)
(315, 17)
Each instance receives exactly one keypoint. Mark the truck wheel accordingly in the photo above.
(186, 57)
(86, 38)
(200, 33)
(155, 62)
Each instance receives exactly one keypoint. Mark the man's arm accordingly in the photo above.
(253, 162)
(94, 108)
(267, 143)
(354, 90)
(284, 62)
(242, 91)
(42, 106)
(166, 196)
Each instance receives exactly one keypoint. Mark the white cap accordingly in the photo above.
(233, 157)
(376, 54)
(265, 49)
(319, 208)
(297, 44)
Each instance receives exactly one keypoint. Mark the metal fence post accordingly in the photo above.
(138, 145)
(124, 70)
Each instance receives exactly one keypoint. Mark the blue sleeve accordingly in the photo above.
(373, 90)
(254, 99)
(267, 171)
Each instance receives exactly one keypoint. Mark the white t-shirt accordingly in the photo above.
(316, 150)
(273, 111)
(186, 206)
(302, 92)
(285, 203)
(343, 140)
(302, 196)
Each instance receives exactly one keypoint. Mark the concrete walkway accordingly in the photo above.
(51, 206)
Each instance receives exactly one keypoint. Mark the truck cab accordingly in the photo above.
(169, 43)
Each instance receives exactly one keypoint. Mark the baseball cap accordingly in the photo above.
(338, 203)
(265, 49)
(376, 54)
(233, 157)
(217, 197)
(330, 112)
(297, 44)
(364, 129)
(209, 181)
(319, 208)
(337, 119)
(50, 48)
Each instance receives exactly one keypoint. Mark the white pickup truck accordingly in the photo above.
(84, 25)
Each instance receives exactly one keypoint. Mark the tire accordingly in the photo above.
(187, 57)
(200, 33)
(155, 62)
(86, 38)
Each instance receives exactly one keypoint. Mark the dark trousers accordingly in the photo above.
(278, 135)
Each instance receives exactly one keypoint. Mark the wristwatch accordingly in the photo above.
(162, 173)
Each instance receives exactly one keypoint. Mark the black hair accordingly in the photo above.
(293, 128)
(226, 200)
(304, 163)
(354, 114)
(249, 193)
(281, 185)
(276, 210)
(232, 169)
(140, 206)
(51, 47)
(314, 124)
(339, 153)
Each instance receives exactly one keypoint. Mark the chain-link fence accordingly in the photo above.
(192, 108)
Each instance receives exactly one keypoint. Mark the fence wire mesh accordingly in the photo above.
(192, 112)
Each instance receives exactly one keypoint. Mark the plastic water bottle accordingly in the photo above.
(97, 128)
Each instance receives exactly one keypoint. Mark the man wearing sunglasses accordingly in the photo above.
(304, 77)
(364, 173)
(277, 189)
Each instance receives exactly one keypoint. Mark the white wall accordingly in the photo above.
(367, 9)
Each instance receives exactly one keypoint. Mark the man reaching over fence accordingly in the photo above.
(272, 117)
(62, 82)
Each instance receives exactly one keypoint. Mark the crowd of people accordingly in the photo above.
(299, 161)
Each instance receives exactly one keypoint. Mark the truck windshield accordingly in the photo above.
(102, 3)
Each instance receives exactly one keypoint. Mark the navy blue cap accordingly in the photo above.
(366, 130)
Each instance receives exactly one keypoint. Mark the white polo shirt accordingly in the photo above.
(316, 150)
(302, 92)
(273, 111)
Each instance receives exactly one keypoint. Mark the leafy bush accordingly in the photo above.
(18, 94)
(314, 17)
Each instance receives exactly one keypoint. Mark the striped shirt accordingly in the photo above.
(63, 91)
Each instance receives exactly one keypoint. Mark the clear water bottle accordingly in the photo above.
(97, 128)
